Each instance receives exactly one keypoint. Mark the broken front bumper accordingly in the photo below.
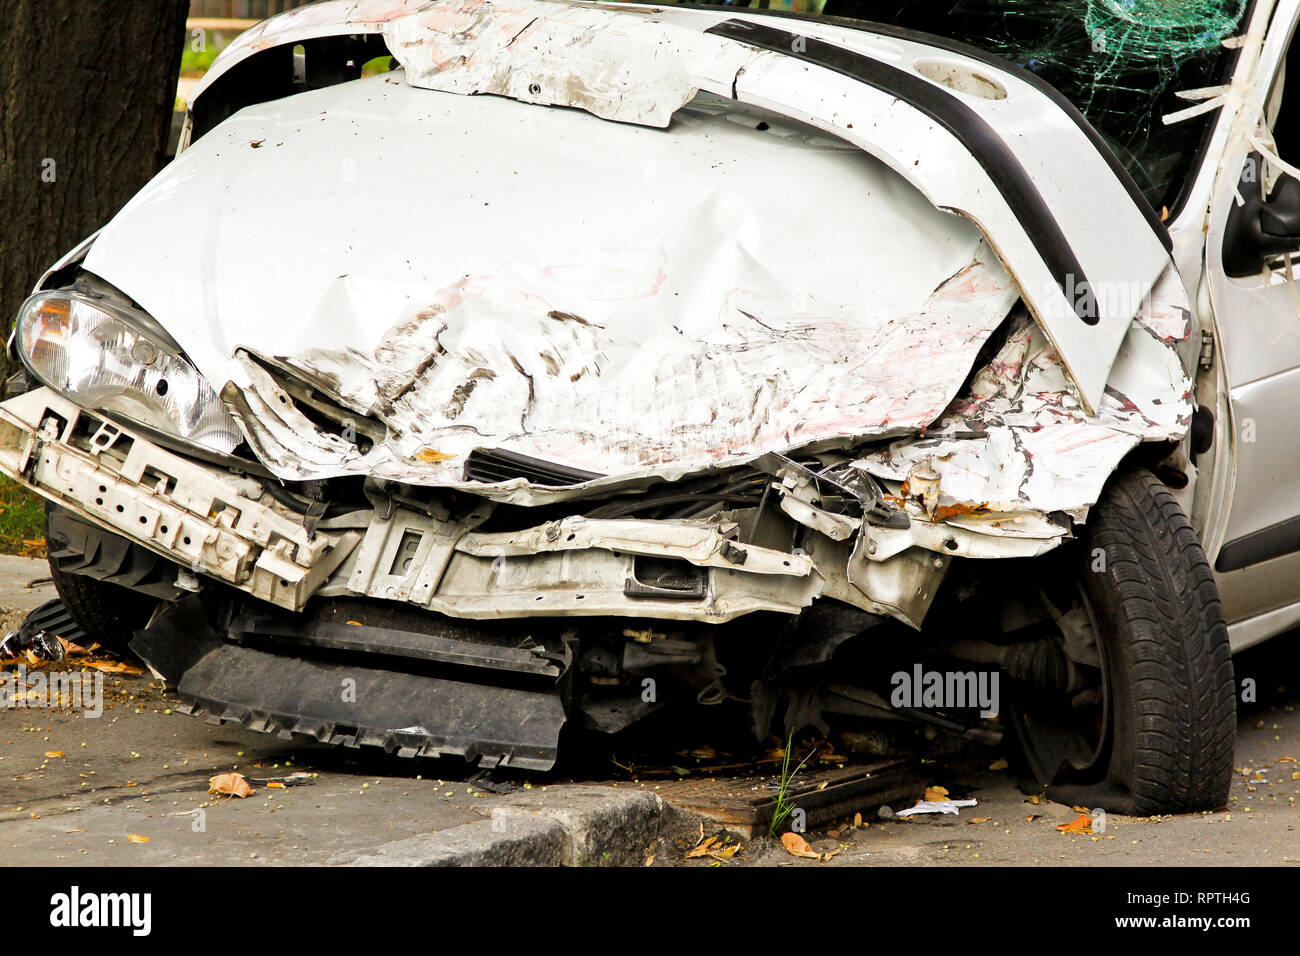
(209, 520)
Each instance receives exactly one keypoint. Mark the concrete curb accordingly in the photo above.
(568, 825)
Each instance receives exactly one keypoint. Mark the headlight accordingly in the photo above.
(102, 357)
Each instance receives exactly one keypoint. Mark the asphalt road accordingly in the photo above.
(131, 787)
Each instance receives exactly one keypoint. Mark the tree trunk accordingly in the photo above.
(87, 89)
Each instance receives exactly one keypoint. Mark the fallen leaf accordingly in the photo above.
(857, 819)
(726, 853)
(1081, 824)
(1285, 760)
(137, 838)
(936, 794)
(54, 753)
(113, 667)
(980, 819)
(999, 764)
(702, 849)
(276, 785)
(796, 845)
(232, 784)
(1032, 817)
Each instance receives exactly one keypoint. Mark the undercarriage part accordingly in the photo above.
(78, 547)
(345, 699)
(1043, 665)
(860, 702)
(388, 642)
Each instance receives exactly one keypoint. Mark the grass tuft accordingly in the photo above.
(784, 805)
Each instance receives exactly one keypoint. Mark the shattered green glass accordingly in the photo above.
(1159, 30)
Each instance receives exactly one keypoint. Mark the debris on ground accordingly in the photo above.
(936, 806)
(1080, 824)
(230, 784)
(796, 845)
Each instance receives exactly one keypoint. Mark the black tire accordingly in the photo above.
(109, 613)
(1167, 721)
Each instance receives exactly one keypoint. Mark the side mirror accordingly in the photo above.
(1261, 228)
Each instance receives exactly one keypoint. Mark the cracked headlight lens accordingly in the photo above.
(96, 353)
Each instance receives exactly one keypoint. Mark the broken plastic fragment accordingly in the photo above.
(936, 806)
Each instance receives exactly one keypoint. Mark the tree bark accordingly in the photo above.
(87, 89)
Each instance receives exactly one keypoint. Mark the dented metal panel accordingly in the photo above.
(701, 319)
(1019, 440)
(992, 147)
(628, 298)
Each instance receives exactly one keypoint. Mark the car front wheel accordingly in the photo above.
(1152, 729)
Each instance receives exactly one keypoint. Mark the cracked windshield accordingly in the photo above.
(1121, 62)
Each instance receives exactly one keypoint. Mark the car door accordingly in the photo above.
(1253, 270)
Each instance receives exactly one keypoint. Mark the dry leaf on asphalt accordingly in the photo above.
(936, 794)
(726, 852)
(1080, 824)
(999, 764)
(113, 667)
(232, 784)
(137, 838)
(980, 819)
(796, 845)
(54, 753)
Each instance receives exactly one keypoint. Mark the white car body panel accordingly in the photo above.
(569, 339)
(638, 64)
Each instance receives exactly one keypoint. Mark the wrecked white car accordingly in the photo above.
(601, 358)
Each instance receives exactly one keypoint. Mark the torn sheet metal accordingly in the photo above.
(1019, 441)
(992, 147)
(580, 298)
(198, 516)
(330, 18)
(203, 517)
(468, 304)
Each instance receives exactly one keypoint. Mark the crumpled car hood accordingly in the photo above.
(605, 296)
(634, 300)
